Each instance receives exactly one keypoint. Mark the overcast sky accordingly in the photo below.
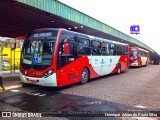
(121, 14)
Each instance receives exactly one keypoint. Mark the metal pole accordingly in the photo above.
(11, 61)
(14, 53)
(1, 82)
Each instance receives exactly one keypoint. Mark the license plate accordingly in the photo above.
(32, 81)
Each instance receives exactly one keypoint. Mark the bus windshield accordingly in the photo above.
(37, 52)
(133, 54)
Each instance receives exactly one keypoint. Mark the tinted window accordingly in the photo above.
(119, 49)
(105, 48)
(112, 46)
(113, 49)
(71, 43)
(83, 46)
(96, 47)
(124, 50)
(141, 53)
(96, 44)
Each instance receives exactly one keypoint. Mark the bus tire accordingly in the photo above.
(119, 69)
(84, 76)
(140, 65)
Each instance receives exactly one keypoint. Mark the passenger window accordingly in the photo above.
(96, 44)
(96, 47)
(113, 49)
(119, 49)
(140, 53)
(125, 50)
(83, 46)
(105, 48)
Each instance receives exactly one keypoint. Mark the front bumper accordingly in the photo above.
(49, 81)
(134, 64)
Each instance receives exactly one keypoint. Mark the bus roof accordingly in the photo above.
(98, 38)
(91, 37)
(46, 29)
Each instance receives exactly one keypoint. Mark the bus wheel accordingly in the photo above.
(119, 69)
(84, 76)
(140, 64)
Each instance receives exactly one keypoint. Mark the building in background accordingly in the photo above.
(11, 60)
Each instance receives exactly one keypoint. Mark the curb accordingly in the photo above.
(13, 87)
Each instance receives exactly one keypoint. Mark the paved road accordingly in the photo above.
(134, 89)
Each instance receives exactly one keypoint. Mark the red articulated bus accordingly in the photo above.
(139, 57)
(58, 57)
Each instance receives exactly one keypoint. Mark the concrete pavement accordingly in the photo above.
(135, 89)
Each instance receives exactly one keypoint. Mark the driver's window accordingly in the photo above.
(64, 59)
(71, 43)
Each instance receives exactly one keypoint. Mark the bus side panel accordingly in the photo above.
(139, 61)
(144, 60)
(66, 77)
(124, 61)
(71, 73)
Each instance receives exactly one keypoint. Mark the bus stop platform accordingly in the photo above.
(11, 81)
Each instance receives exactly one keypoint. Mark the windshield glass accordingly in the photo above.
(134, 53)
(38, 52)
(38, 49)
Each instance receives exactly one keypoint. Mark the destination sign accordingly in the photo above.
(46, 34)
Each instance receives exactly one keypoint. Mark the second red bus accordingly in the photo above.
(139, 57)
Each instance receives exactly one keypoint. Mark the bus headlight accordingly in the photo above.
(48, 73)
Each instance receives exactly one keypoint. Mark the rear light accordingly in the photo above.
(48, 73)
